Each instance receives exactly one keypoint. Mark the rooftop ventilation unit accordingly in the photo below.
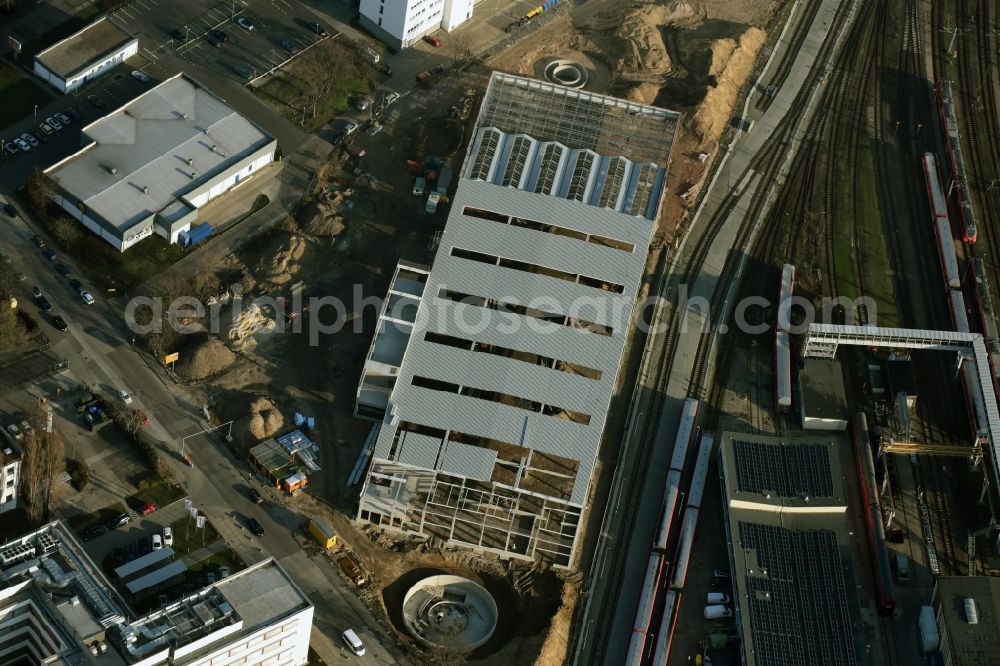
(193, 175)
(184, 116)
(214, 147)
(190, 162)
(971, 614)
(112, 170)
(145, 189)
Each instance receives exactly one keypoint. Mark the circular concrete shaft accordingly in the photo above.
(567, 73)
(450, 611)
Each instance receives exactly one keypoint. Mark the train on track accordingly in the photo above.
(946, 110)
(874, 524)
(667, 565)
(782, 346)
(941, 222)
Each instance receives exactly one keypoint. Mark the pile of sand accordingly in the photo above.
(206, 359)
(644, 93)
(643, 52)
(252, 320)
(324, 225)
(717, 107)
(265, 419)
(555, 648)
(279, 268)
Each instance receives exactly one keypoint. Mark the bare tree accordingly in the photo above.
(40, 189)
(43, 463)
(7, 6)
(65, 231)
(13, 334)
(460, 46)
(322, 71)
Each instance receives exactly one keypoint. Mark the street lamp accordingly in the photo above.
(36, 112)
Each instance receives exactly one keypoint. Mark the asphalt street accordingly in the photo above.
(99, 350)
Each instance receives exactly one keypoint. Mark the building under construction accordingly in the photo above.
(491, 426)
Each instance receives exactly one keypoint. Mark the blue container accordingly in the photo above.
(549, 4)
(196, 234)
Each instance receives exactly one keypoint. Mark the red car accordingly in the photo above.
(141, 417)
(433, 40)
(424, 75)
(147, 509)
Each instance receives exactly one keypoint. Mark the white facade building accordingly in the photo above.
(10, 474)
(56, 607)
(402, 23)
(149, 166)
(85, 55)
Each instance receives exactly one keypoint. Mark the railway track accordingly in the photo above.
(931, 495)
(766, 163)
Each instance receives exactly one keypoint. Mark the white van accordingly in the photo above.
(353, 642)
(717, 598)
(717, 612)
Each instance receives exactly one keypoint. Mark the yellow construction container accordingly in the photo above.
(322, 532)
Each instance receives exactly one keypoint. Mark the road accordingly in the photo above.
(98, 348)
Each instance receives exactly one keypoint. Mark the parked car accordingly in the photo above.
(352, 641)
(210, 578)
(30, 139)
(97, 102)
(713, 598)
(118, 557)
(179, 35)
(11, 147)
(318, 29)
(157, 542)
(433, 40)
(364, 103)
(245, 23)
(124, 396)
(423, 76)
(64, 119)
(145, 546)
(63, 270)
(49, 254)
(289, 46)
(243, 72)
(131, 551)
(717, 612)
(720, 573)
(140, 417)
(223, 573)
(93, 532)
(147, 509)
(255, 496)
(74, 113)
(39, 243)
(87, 297)
(76, 284)
(139, 75)
(52, 122)
(60, 323)
(45, 127)
(168, 537)
(119, 520)
(255, 527)
(22, 144)
(220, 37)
(36, 292)
(44, 305)
(390, 98)
(40, 136)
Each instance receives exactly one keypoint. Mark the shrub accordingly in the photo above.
(79, 473)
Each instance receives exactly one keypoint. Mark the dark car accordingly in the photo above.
(9, 210)
(289, 46)
(74, 113)
(39, 243)
(36, 292)
(94, 531)
(179, 35)
(255, 527)
(44, 304)
(131, 552)
(318, 29)
(60, 323)
(76, 284)
(145, 546)
(40, 136)
(118, 557)
(219, 38)
(255, 496)
(63, 270)
(49, 254)
(97, 102)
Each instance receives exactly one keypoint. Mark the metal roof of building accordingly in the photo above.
(81, 50)
(140, 563)
(969, 644)
(823, 393)
(162, 574)
(469, 461)
(418, 450)
(141, 157)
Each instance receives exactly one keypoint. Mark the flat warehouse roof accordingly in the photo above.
(165, 144)
(80, 51)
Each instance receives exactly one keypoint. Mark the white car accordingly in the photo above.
(64, 119)
(87, 297)
(246, 24)
(30, 139)
(390, 98)
(168, 537)
(55, 123)
(124, 396)
(157, 542)
(22, 144)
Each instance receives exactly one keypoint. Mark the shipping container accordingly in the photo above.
(195, 234)
(322, 532)
(444, 180)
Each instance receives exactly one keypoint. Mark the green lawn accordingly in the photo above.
(284, 93)
(159, 492)
(872, 242)
(20, 96)
(188, 538)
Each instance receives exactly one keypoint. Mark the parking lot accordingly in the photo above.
(240, 39)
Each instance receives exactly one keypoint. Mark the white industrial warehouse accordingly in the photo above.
(149, 166)
(85, 55)
(492, 421)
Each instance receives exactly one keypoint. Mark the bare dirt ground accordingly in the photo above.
(691, 56)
